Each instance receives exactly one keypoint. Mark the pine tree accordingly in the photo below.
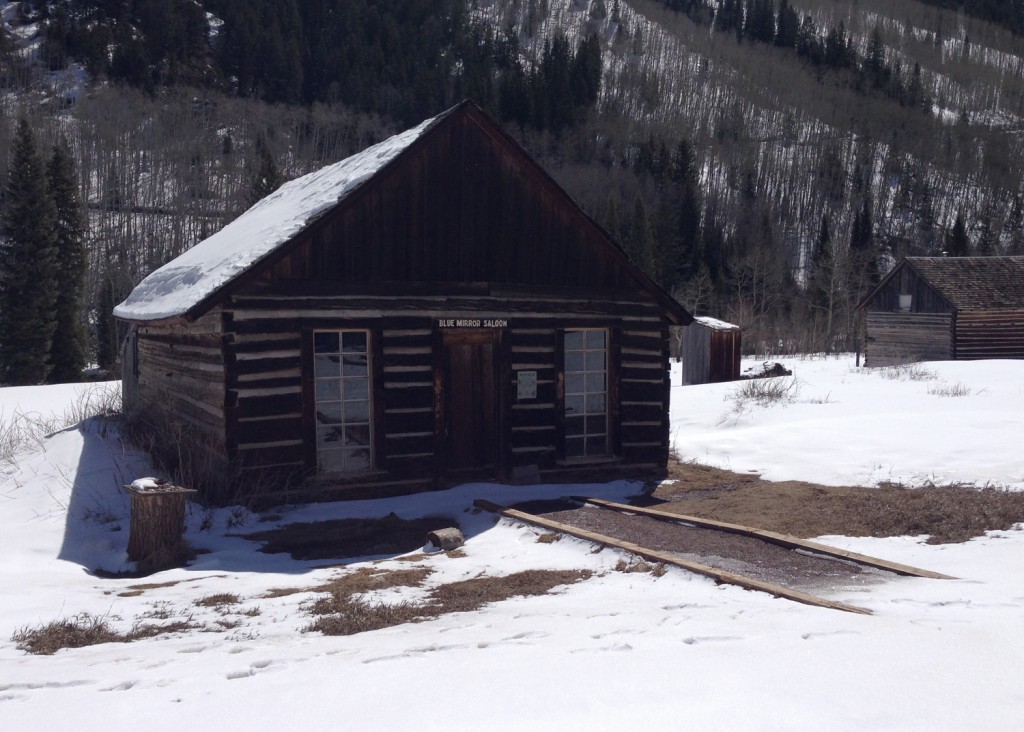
(28, 265)
(957, 243)
(267, 179)
(67, 352)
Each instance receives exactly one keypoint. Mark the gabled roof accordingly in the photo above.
(968, 283)
(186, 281)
(191, 284)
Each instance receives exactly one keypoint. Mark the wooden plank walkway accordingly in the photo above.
(658, 556)
(785, 540)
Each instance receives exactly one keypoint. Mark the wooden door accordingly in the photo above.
(470, 437)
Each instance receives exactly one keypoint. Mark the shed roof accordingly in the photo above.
(969, 283)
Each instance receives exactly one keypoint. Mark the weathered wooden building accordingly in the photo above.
(431, 310)
(710, 351)
(941, 308)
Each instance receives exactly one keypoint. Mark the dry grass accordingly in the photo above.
(548, 537)
(341, 589)
(472, 594)
(218, 600)
(344, 614)
(950, 390)
(946, 513)
(86, 630)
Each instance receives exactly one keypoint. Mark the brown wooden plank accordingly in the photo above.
(658, 556)
(785, 540)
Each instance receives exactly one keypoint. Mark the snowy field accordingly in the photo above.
(617, 651)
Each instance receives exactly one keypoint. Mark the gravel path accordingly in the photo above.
(731, 552)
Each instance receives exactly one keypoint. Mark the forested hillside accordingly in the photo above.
(766, 160)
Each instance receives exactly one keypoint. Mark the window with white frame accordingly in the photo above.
(341, 371)
(585, 366)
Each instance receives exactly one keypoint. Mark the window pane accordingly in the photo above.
(595, 360)
(325, 366)
(357, 389)
(597, 424)
(595, 339)
(357, 435)
(328, 412)
(595, 404)
(354, 364)
(573, 361)
(597, 445)
(573, 446)
(328, 436)
(328, 390)
(573, 405)
(573, 340)
(357, 412)
(574, 383)
(573, 426)
(595, 381)
(325, 342)
(353, 341)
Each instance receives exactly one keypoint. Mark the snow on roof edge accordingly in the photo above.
(715, 324)
(175, 288)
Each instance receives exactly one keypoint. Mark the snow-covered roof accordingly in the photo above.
(715, 324)
(181, 284)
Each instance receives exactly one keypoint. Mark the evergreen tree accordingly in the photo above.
(787, 26)
(67, 352)
(957, 243)
(28, 265)
(268, 177)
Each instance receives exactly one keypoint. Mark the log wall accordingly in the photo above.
(181, 374)
(269, 423)
(991, 334)
(897, 338)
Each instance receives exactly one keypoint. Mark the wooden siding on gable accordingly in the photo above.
(460, 209)
(924, 297)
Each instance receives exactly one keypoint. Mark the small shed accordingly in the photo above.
(942, 308)
(432, 310)
(710, 351)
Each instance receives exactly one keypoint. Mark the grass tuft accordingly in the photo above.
(950, 390)
(219, 600)
(84, 630)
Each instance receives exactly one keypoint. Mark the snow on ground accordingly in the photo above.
(940, 422)
(617, 651)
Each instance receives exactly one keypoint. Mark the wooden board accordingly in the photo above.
(786, 540)
(658, 556)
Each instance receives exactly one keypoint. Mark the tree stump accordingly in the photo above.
(157, 522)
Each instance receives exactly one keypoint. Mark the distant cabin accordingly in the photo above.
(942, 308)
(432, 310)
(710, 351)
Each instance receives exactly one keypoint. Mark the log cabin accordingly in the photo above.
(946, 308)
(432, 310)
